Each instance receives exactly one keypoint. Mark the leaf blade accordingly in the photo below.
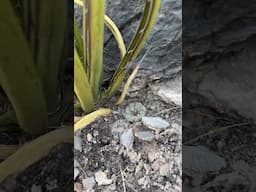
(94, 35)
(146, 25)
(17, 66)
(82, 87)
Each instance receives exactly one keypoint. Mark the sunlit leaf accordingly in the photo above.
(91, 117)
(146, 25)
(82, 87)
(94, 34)
(117, 34)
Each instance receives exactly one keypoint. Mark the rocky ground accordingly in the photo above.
(218, 96)
(138, 148)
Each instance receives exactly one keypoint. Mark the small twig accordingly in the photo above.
(80, 167)
(166, 110)
(215, 131)
(123, 179)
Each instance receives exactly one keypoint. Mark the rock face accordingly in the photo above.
(219, 46)
(165, 58)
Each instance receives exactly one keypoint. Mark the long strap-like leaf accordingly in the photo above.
(146, 25)
(90, 118)
(34, 151)
(117, 34)
(113, 28)
(78, 40)
(82, 87)
(52, 31)
(94, 40)
(18, 74)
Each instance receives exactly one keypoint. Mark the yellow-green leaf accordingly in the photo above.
(127, 85)
(91, 117)
(146, 25)
(33, 151)
(94, 35)
(52, 32)
(82, 87)
(18, 74)
(117, 34)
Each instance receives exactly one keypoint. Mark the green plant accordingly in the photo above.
(88, 56)
(33, 47)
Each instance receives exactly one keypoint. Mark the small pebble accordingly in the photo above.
(127, 139)
(139, 167)
(144, 181)
(152, 155)
(89, 183)
(133, 156)
(165, 170)
(145, 135)
(89, 137)
(78, 143)
(36, 188)
(141, 181)
(101, 178)
(155, 123)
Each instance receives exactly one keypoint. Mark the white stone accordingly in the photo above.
(171, 91)
(165, 170)
(78, 143)
(145, 135)
(101, 178)
(89, 183)
(89, 137)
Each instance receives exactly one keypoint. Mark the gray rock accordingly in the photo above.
(165, 37)
(199, 159)
(88, 183)
(144, 135)
(155, 123)
(134, 111)
(127, 139)
(219, 47)
(170, 91)
(101, 178)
